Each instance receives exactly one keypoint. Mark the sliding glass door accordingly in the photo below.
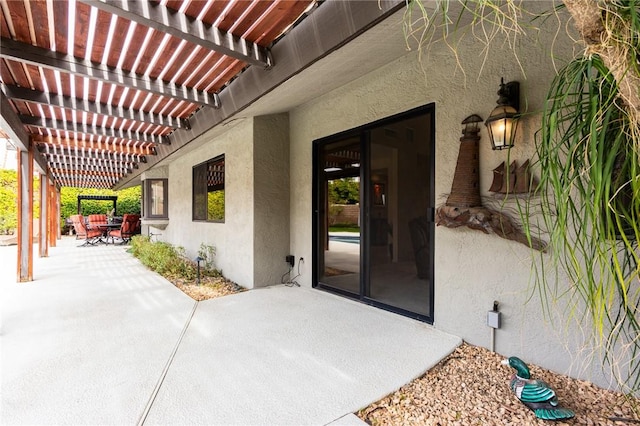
(373, 209)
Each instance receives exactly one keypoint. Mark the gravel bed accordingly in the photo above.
(209, 287)
(471, 387)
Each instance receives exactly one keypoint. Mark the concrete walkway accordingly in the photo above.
(98, 339)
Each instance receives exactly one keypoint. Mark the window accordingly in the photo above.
(155, 196)
(208, 190)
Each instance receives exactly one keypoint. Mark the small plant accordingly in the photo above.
(208, 253)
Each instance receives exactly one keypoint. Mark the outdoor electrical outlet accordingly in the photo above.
(493, 319)
(291, 260)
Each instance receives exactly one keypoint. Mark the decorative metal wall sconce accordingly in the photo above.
(503, 120)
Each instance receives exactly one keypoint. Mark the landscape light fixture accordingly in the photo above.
(503, 120)
(198, 260)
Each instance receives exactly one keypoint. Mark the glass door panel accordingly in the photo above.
(399, 229)
(339, 233)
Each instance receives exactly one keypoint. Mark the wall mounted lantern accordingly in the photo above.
(503, 120)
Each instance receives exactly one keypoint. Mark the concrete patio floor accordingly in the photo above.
(96, 338)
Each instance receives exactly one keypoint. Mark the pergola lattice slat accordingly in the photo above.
(37, 56)
(78, 104)
(89, 129)
(121, 171)
(115, 147)
(163, 19)
(90, 154)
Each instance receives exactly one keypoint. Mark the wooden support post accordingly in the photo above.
(51, 230)
(54, 214)
(43, 222)
(58, 215)
(25, 216)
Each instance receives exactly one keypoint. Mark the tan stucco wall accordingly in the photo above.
(472, 269)
(253, 241)
(232, 239)
(271, 198)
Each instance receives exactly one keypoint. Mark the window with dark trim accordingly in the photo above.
(208, 190)
(156, 198)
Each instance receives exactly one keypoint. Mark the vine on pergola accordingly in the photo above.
(588, 150)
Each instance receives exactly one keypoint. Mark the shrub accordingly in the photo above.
(169, 260)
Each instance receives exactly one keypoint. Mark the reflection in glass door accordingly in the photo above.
(340, 227)
(399, 223)
(374, 225)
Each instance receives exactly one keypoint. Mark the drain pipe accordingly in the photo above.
(493, 321)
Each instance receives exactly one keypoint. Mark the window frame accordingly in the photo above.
(147, 197)
(199, 186)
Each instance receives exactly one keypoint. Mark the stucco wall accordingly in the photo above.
(232, 239)
(472, 269)
(253, 241)
(271, 198)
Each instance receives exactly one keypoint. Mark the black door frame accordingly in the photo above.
(363, 133)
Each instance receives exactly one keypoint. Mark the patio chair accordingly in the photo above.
(80, 231)
(97, 221)
(91, 235)
(129, 227)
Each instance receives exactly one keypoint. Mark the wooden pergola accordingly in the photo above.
(95, 92)
(112, 198)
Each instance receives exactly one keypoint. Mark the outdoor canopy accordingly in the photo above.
(112, 198)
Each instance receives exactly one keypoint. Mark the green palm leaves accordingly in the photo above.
(590, 191)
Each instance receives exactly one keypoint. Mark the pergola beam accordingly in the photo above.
(90, 129)
(37, 56)
(78, 104)
(10, 123)
(122, 169)
(90, 172)
(179, 25)
(90, 154)
(57, 161)
(98, 146)
(85, 178)
(78, 184)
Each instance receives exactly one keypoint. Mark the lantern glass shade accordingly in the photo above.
(502, 125)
